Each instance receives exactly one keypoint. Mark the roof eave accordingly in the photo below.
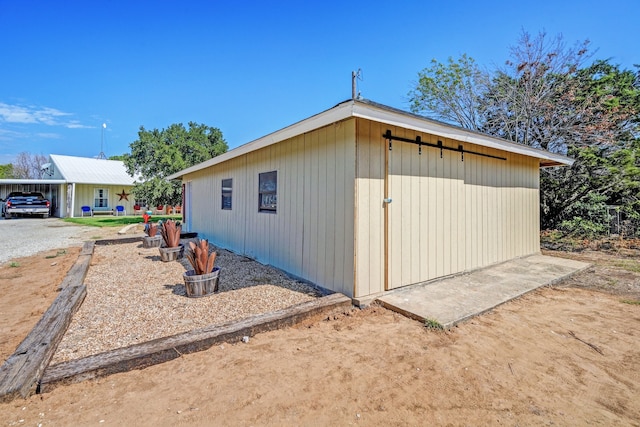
(377, 112)
(327, 117)
(383, 114)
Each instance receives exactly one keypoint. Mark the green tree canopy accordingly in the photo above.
(6, 171)
(157, 154)
(452, 92)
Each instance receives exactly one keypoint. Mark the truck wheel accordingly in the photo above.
(7, 215)
(45, 215)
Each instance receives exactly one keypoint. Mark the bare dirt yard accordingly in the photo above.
(565, 355)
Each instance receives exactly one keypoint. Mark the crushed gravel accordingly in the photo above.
(133, 297)
(23, 237)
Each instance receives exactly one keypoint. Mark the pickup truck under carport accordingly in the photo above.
(21, 203)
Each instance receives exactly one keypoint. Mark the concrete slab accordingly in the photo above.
(455, 299)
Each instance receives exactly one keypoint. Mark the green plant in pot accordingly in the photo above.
(172, 249)
(203, 279)
(152, 238)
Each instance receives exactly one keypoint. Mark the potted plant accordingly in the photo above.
(152, 238)
(172, 249)
(203, 279)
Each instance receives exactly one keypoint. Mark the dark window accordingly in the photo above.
(227, 190)
(267, 189)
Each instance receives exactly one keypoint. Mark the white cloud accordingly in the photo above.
(10, 135)
(45, 135)
(37, 115)
(15, 114)
(75, 124)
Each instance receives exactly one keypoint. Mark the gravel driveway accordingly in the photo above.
(21, 237)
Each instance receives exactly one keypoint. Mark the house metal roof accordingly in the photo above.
(383, 114)
(85, 170)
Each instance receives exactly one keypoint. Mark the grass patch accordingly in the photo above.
(14, 264)
(433, 325)
(629, 265)
(630, 301)
(114, 221)
(62, 252)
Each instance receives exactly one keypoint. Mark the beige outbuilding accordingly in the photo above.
(364, 198)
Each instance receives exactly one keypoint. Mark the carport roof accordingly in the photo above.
(31, 181)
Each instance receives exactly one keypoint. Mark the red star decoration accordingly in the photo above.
(124, 195)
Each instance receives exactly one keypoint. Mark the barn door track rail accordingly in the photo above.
(418, 141)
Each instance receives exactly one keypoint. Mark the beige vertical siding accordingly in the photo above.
(311, 234)
(206, 203)
(447, 215)
(369, 221)
(85, 197)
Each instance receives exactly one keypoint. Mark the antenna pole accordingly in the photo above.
(102, 155)
(354, 76)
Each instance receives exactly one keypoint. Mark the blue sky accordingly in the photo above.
(248, 67)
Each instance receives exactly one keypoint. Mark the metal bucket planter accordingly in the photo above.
(151, 242)
(201, 285)
(171, 254)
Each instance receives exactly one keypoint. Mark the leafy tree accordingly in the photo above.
(117, 157)
(157, 154)
(451, 92)
(608, 167)
(544, 96)
(599, 177)
(6, 171)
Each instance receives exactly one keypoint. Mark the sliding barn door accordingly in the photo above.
(425, 216)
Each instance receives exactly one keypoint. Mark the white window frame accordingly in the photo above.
(98, 201)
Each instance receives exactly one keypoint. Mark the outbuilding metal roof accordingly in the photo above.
(388, 115)
(85, 170)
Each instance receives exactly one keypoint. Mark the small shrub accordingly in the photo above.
(585, 228)
(433, 324)
(14, 264)
(588, 218)
(629, 301)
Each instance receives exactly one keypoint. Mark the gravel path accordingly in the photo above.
(133, 297)
(27, 236)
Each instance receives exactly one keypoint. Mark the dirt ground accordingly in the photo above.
(567, 355)
(28, 287)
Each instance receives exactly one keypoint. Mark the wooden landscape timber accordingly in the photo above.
(119, 240)
(77, 273)
(161, 350)
(20, 374)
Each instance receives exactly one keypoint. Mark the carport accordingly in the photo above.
(50, 188)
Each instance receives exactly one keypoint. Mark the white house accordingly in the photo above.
(72, 182)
